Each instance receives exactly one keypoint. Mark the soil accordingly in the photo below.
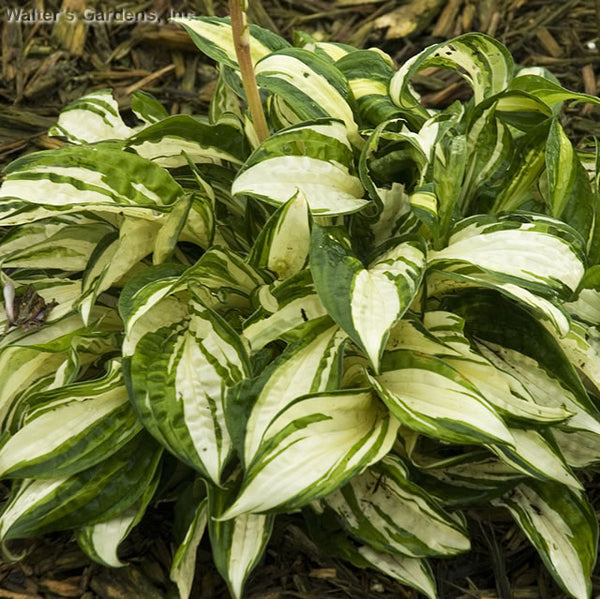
(46, 64)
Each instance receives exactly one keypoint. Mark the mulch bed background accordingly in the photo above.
(45, 65)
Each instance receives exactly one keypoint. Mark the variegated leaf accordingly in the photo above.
(369, 73)
(23, 367)
(101, 541)
(332, 51)
(92, 118)
(481, 60)
(519, 109)
(39, 506)
(192, 220)
(190, 363)
(63, 332)
(537, 455)
(308, 365)
(99, 178)
(195, 225)
(222, 279)
(191, 518)
(311, 86)
(516, 343)
(312, 446)
(165, 242)
(384, 509)
(550, 92)
(147, 108)
(170, 142)
(442, 282)
(314, 159)
(538, 253)
(283, 243)
(145, 304)
(59, 295)
(449, 168)
(24, 237)
(569, 192)
(62, 243)
(431, 397)
(504, 391)
(562, 526)
(410, 571)
(582, 347)
(115, 257)
(468, 478)
(490, 146)
(394, 154)
(586, 306)
(543, 386)
(237, 544)
(395, 219)
(224, 101)
(280, 115)
(412, 334)
(365, 302)
(283, 307)
(561, 169)
(424, 204)
(70, 429)
(415, 573)
(581, 449)
(214, 37)
(150, 302)
(515, 186)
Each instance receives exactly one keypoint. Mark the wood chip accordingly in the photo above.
(171, 37)
(355, 2)
(323, 573)
(71, 33)
(45, 142)
(4, 594)
(589, 80)
(493, 25)
(179, 62)
(149, 79)
(589, 86)
(446, 24)
(62, 588)
(123, 583)
(466, 19)
(11, 47)
(46, 76)
(548, 42)
(455, 91)
(409, 19)
(429, 71)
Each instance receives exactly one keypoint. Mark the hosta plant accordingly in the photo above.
(380, 316)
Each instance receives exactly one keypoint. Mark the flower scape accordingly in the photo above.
(380, 316)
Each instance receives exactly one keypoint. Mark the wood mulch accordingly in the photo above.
(45, 65)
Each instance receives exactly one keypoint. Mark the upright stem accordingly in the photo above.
(241, 40)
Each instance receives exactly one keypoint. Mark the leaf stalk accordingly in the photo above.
(241, 40)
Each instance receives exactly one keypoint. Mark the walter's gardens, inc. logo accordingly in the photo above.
(90, 16)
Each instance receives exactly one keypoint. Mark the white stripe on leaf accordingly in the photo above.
(312, 447)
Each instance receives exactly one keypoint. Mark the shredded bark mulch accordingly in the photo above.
(47, 63)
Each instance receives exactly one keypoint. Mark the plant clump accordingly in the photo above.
(380, 315)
